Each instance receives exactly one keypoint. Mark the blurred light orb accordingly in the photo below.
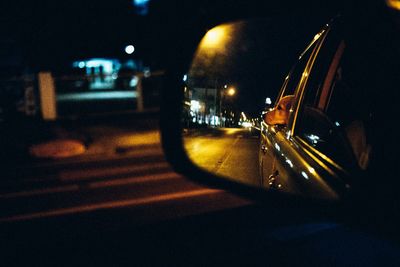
(231, 91)
(129, 49)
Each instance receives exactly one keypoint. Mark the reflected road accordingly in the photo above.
(229, 152)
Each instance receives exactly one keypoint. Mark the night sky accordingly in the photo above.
(51, 34)
(63, 29)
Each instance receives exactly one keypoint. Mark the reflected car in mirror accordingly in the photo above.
(312, 142)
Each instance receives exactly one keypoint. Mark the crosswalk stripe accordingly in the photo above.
(113, 204)
(75, 187)
(88, 159)
(135, 180)
(41, 191)
(76, 175)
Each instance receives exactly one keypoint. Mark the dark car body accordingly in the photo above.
(326, 145)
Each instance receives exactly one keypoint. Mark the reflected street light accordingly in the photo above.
(395, 4)
(231, 91)
(214, 37)
(215, 40)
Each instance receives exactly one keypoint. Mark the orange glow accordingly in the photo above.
(214, 37)
(395, 4)
(231, 91)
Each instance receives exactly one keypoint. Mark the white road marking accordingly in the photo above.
(135, 180)
(78, 175)
(225, 156)
(139, 153)
(41, 191)
(108, 183)
(112, 204)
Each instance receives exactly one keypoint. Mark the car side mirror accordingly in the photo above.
(206, 129)
(279, 115)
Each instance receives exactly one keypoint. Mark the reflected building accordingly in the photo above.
(203, 106)
(207, 106)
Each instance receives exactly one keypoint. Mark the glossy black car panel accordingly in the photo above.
(324, 147)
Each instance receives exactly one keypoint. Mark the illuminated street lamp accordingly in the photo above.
(215, 40)
(229, 92)
(129, 49)
(214, 37)
(395, 4)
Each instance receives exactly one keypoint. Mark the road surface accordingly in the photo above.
(138, 179)
(229, 152)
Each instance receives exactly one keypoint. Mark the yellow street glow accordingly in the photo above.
(214, 37)
(231, 91)
(395, 4)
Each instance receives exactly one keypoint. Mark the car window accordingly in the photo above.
(329, 121)
(348, 111)
(293, 78)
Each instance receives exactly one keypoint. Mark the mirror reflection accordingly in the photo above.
(245, 120)
(224, 99)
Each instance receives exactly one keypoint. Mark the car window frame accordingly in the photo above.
(327, 86)
(316, 42)
(288, 77)
(302, 85)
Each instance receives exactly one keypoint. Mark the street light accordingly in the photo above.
(230, 92)
(129, 49)
(395, 4)
(214, 37)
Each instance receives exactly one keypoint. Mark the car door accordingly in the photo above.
(334, 121)
(270, 141)
(324, 143)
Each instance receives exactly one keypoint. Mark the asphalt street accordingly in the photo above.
(122, 204)
(228, 152)
(123, 168)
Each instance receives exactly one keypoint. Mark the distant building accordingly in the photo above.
(103, 73)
